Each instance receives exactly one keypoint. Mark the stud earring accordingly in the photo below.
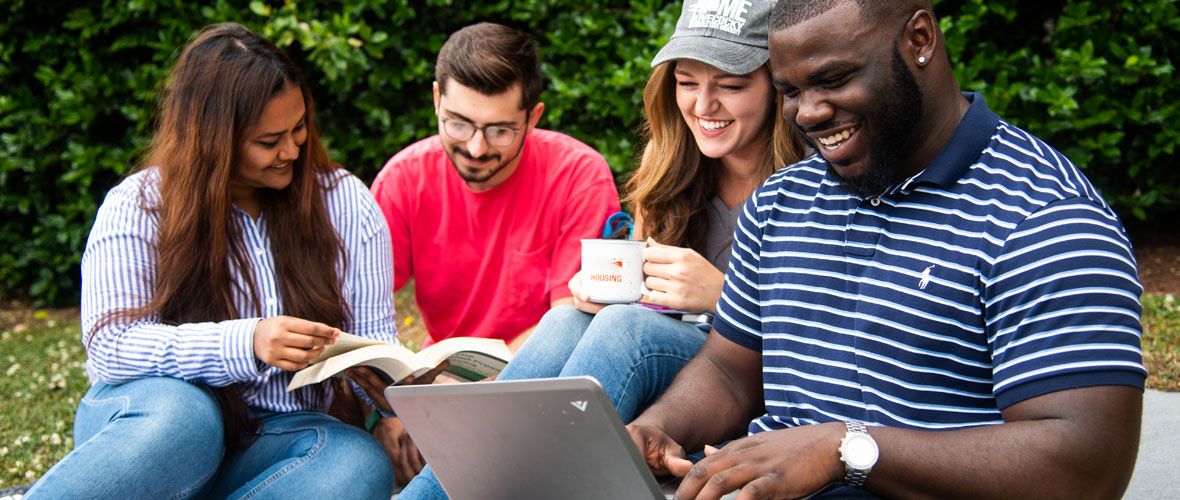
(921, 59)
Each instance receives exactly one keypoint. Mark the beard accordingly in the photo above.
(479, 176)
(475, 176)
(900, 108)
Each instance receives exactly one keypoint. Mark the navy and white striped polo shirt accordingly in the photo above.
(995, 275)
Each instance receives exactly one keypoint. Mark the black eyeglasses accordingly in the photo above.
(496, 135)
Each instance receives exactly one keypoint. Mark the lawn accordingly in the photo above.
(43, 378)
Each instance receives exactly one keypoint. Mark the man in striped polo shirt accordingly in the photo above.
(938, 304)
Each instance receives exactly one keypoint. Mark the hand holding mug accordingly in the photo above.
(680, 278)
(581, 299)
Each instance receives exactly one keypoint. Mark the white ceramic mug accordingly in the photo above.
(612, 270)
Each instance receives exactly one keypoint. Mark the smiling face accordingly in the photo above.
(847, 89)
(480, 164)
(727, 114)
(270, 148)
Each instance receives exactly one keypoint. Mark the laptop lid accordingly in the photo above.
(524, 439)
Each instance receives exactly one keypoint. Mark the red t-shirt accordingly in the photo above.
(489, 263)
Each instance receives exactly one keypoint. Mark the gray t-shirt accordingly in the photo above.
(719, 240)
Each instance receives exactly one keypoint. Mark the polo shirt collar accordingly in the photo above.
(974, 133)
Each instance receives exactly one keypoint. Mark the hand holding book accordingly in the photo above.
(467, 358)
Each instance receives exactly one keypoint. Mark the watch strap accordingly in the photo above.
(855, 478)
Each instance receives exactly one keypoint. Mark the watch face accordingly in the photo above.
(860, 451)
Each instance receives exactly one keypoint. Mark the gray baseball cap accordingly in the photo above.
(730, 35)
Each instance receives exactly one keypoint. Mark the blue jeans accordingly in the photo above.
(634, 353)
(162, 438)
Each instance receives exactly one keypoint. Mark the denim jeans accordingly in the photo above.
(162, 438)
(634, 352)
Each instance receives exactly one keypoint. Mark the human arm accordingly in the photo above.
(118, 272)
(1079, 443)
(712, 399)
(394, 205)
(589, 200)
(680, 278)
(1061, 324)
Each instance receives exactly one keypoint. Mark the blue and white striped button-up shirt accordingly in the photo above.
(118, 272)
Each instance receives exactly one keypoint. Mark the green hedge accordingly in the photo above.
(78, 79)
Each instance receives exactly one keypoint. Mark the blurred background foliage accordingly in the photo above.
(78, 80)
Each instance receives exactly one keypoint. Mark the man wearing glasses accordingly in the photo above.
(487, 215)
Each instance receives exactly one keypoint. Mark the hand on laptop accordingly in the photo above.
(663, 455)
(787, 463)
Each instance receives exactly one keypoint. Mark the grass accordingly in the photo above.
(41, 359)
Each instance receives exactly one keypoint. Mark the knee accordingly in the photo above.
(616, 325)
(353, 453)
(181, 411)
(556, 334)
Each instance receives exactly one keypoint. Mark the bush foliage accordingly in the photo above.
(78, 80)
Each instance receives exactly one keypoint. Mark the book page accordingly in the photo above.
(396, 362)
(471, 358)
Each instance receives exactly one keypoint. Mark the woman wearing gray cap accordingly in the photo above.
(714, 134)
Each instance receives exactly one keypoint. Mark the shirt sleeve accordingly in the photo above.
(1062, 304)
(739, 310)
(118, 272)
(392, 205)
(369, 276)
(584, 212)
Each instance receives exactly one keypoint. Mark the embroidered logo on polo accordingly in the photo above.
(925, 277)
(725, 15)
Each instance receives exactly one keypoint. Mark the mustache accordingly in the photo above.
(461, 152)
(828, 125)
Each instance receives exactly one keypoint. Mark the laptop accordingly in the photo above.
(525, 439)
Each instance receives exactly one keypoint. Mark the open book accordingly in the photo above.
(471, 358)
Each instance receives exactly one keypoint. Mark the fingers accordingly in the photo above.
(291, 343)
(581, 298)
(428, 377)
(370, 382)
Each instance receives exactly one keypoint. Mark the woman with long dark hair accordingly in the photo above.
(232, 255)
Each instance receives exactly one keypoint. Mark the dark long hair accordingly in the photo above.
(213, 96)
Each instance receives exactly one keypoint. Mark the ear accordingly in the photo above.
(436, 96)
(920, 41)
(535, 115)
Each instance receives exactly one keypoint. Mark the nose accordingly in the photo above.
(706, 101)
(811, 110)
(477, 145)
(288, 149)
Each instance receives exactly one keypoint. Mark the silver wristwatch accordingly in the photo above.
(859, 453)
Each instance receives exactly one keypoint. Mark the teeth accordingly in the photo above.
(714, 125)
(834, 140)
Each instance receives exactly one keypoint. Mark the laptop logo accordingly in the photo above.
(580, 405)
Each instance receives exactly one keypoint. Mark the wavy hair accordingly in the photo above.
(674, 183)
(213, 96)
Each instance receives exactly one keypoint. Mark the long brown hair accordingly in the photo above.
(214, 94)
(672, 188)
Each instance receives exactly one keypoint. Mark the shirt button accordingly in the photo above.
(271, 301)
(259, 251)
(875, 201)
